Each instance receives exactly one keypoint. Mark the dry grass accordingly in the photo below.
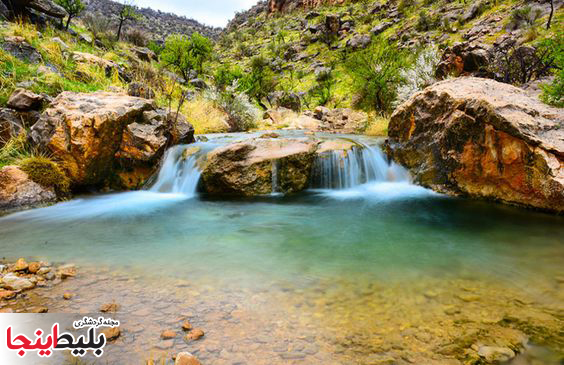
(205, 116)
(377, 126)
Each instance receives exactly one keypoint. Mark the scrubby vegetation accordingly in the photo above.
(366, 55)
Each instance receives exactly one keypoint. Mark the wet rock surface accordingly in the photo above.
(483, 139)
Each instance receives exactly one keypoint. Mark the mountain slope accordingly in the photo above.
(157, 23)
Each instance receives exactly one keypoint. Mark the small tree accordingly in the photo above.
(126, 12)
(73, 8)
(185, 54)
(260, 81)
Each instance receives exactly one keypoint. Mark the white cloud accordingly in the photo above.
(210, 12)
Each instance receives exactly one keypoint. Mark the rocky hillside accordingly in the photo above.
(155, 22)
(315, 48)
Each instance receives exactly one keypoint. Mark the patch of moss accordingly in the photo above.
(46, 173)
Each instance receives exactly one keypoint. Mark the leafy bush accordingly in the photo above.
(99, 25)
(260, 81)
(520, 65)
(376, 75)
(226, 75)
(524, 17)
(426, 22)
(185, 54)
(553, 93)
(155, 47)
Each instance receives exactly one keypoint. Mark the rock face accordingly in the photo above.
(249, 168)
(47, 7)
(18, 191)
(97, 136)
(480, 138)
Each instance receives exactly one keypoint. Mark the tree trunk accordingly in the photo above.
(119, 29)
(68, 23)
(551, 14)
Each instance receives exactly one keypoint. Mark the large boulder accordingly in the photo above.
(84, 132)
(22, 8)
(259, 166)
(18, 191)
(481, 138)
(103, 139)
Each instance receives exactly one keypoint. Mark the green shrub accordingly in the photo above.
(155, 47)
(225, 76)
(376, 75)
(553, 93)
(324, 90)
(426, 22)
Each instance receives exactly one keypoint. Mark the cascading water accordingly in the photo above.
(340, 170)
(179, 173)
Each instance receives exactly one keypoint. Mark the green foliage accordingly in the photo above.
(185, 54)
(226, 75)
(324, 90)
(376, 74)
(155, 47)
(260, 81)
(73, 8)
(553, 93)
(46, 173)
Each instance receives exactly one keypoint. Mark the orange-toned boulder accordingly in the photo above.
(484, 139)
(99, 137)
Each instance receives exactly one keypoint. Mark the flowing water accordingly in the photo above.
(363, 268)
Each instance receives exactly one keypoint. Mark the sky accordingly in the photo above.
(211, 12)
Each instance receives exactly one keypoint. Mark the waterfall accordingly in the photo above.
(179, 172)
(340, 170)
